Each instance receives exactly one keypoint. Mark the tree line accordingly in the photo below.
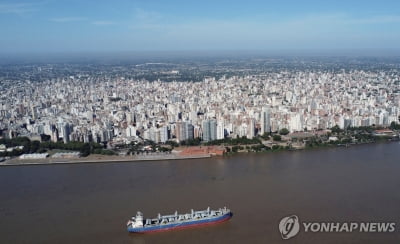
(40, 147)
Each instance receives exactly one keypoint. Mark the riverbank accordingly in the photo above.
(96, 158)
(100, 159)
(310, 148)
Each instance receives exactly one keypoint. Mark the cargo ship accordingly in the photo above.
(177, 221)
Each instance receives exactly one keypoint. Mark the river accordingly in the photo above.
(90, 203)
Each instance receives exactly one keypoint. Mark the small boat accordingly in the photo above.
(177, 221)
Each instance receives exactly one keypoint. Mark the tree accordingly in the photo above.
(45, 137)
(336, 129)
(284, 131)
(85, 150)
(265, 136)
(394, 126)
(276, 147)
(191, 142)
(103, 151)
(35, 145)
(172, 143)
(277, 138)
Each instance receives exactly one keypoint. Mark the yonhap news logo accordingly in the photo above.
(290, 226)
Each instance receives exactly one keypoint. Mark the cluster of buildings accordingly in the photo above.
(122, 110)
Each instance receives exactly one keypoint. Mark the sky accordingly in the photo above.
(180, 25)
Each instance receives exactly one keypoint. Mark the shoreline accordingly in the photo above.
(98, 159)
(94, 158)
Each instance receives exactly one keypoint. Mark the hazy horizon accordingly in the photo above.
(195, 54)
(80, 26)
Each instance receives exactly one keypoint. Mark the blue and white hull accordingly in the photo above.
(164, 223)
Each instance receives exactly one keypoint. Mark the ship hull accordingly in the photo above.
(181, 225)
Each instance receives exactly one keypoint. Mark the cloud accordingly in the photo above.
(103, 22)
(68, 19)
(17, 8)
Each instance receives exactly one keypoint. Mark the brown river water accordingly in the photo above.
(90, 203)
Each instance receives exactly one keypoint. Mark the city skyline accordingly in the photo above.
(113, 108)
(75, 26)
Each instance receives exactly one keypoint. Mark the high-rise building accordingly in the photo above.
(164, 134)
(296, 122)
(54, 134)
(34, 112)
(184, 131)
(205, 126)
(209, 128)
(265, 120)
(189, 130)
(213, 129)
(197, 132)
(157, 135)
(348, 123)
(250, 129)
(220, 129)
(131, 131)
(146, 134)
(104, 136)
(154, 134)
(65, 132)
(180, 131)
